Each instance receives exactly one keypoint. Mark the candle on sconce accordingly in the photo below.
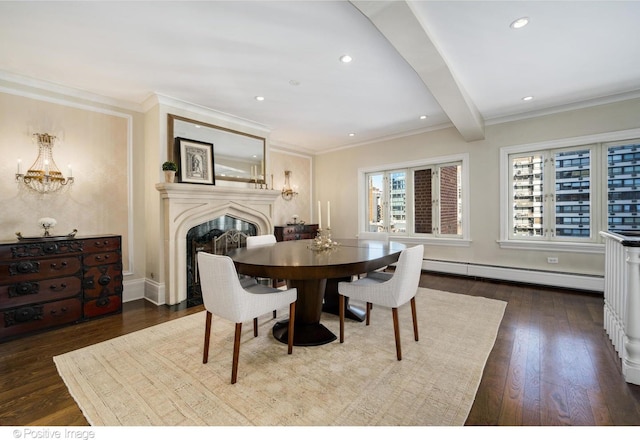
(19, 161)
(328, 215)
(46, 167)
(70, 171)
(319, 215)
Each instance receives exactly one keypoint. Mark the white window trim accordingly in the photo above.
(464, 240)
(557, 246)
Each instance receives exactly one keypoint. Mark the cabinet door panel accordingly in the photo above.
(102, 281)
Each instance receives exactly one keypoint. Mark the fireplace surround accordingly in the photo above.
(186, 206)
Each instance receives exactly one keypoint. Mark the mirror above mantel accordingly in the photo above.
(237, 156)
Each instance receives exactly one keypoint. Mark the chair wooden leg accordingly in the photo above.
(236, 353)
(396, 330)
(415, 318)
(207, 337)
(255, 327)
(341, 313)
(368, 314)
(274, 314)
(292, 319)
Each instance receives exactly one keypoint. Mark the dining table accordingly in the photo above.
(315, 274)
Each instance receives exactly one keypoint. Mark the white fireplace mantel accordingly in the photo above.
(186, 206)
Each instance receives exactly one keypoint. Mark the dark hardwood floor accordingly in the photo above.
(552, 363)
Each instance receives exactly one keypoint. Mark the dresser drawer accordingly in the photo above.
(31, 269)
(100, 258)
(29, 250)
(101, 244)
(25, 292)
(39, 316)
(102, 306)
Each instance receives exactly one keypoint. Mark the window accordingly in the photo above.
(550, 194)
(565, 194)
(420, 200)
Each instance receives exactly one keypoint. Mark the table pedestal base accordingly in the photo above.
(305, 335)
(331, 304)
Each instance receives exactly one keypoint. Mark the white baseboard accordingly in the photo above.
(147, 289)
(133, 290)
(546, 278)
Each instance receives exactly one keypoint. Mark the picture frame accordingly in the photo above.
(195, 161)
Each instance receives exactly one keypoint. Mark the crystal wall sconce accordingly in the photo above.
(44, 176)
(287, 192)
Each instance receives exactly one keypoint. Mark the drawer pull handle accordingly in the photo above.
(103, 302)
(63, 266)
(58, 288)
(104, 280)
(100, 244)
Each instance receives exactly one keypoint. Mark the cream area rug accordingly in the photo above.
(156, 376)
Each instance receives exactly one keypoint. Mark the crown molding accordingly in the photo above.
(67, 92)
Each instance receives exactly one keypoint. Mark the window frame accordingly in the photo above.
(410, 167)
(599, 206)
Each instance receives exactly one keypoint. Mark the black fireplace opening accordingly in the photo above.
(219, 236)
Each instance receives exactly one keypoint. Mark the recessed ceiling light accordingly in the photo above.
(528, 98)
(352, 134)
(423, 116)
(259, 98)
(519, 23)
(346, 58)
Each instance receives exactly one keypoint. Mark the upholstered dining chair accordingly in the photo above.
(394, 292)
(262, 240)
(224, 296)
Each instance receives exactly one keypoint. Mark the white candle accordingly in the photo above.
(19, 160)
(46, 167)
(328, 215)
(319, 215)
(70, 171)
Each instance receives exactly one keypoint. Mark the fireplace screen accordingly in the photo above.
(219, 236)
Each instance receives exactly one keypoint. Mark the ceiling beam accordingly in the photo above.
(399, 24)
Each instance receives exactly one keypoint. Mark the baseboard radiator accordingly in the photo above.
(622, 300)
(594, 283)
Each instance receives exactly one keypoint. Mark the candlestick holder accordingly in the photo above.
(323, 241)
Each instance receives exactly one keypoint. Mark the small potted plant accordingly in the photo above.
(169, 169)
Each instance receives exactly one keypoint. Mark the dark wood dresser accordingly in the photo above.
(50, 282)
(295, 232)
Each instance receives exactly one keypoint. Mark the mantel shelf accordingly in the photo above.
(191, 191)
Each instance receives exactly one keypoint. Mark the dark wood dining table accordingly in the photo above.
(316, 275)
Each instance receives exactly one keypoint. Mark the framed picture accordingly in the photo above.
(195, 161)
